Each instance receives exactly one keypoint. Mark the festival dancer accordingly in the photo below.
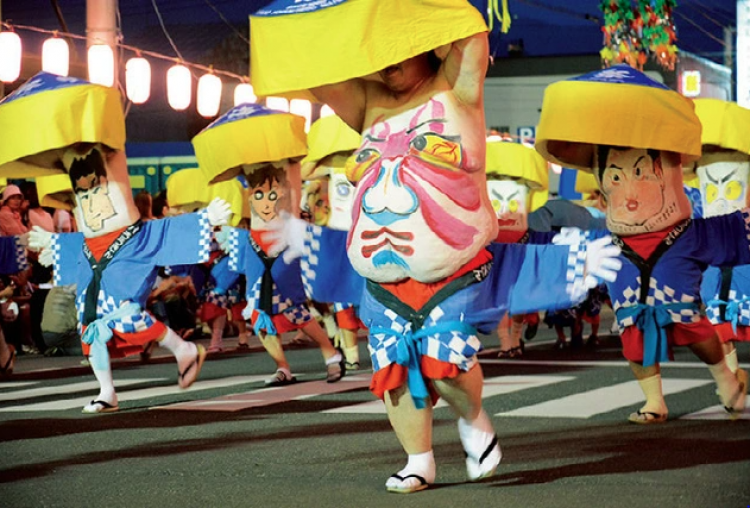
(114, 259)
(422, 216)
(274, 292)
(723, 173)
(636, 152)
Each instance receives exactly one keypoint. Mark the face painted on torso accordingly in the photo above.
(723, 179)
(266, 201)
(104, 200)
(314, 203)
(418, 211)
(341, 199)
(509, 199)
(642, 194)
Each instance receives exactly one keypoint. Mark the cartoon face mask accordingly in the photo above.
(643, 190)
(102, 188)
(341, 198)
(509, 199)
(418, 212)
(268, 195)
(723, 180)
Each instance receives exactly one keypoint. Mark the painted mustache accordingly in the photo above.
(371, 235)
(369, 250)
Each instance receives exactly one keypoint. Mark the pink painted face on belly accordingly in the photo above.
(417, 212)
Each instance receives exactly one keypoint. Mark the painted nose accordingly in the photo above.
(389, 199)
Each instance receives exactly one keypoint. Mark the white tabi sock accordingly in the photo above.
(181, 349)
(106, 386)
(479, 440)
(726, 381)
(732, 361)
(652, 389)
(421, 464)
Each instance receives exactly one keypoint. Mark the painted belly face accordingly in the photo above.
(341, 199)
(417, 212)
(509, 199)
(723, 179)
(643, 190)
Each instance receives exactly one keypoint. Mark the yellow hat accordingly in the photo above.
(619, 106)
(51, 112)
(327, 136)
(725, 124)
(248, 134)
(586, 183)
(55, 191)
(517, 161)
(188, 189)
(348, 39)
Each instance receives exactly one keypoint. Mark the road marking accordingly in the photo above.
(601, 400)
(717, 413)
(274, 395)
(582, 363)
(144, 393)
(15, 384)
(492, 386)
(20, 395)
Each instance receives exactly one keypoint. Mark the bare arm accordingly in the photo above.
(347, 99)
(465, 67)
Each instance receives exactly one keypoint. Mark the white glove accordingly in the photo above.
(222, 238)
(218, 212)
(286, 234)
(569, 236)
(39, 239)
(46, 257)
(601, 262)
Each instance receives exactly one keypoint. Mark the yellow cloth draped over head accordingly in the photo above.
(245, 135)
(49, 113)
(725, 124)
(511, 160)
(55, 191)
(619, 106)
(189, 190)
(328, 135)
(294, 45)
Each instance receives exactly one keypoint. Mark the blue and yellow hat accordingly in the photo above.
(725, 124)
(328, 135)
(49, 113)
(301, 44)
(618, 106)
(248, 134)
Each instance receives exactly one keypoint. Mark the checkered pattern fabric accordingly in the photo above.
(206, 236)
(309, 259)
(574, 275)
(55, 246)
(338, 306)
(278, 306)
(234, 243)
(297, 314)
(105, 304)
(21, 260)
(713, 310)
(452, 347)
(658, 294)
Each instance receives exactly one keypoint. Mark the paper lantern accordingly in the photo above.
(302, 108)
(209, 95)
(179, 87)
(101, 64)
(10, 56)
(138, 80)
(277, 103)
(56, 56)
(244, 94)
(326, 111)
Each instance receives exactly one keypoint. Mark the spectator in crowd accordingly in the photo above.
(10, 212)
(143, 204)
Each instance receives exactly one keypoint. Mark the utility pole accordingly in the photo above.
(101, 28)
(2, 85)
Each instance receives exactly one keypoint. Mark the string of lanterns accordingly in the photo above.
(101, 70)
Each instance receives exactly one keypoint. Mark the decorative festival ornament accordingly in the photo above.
(101, 64)
(56, 56)
(209, 95)
(138, 80)
(179, 87)
(244, 94)
(10, 56)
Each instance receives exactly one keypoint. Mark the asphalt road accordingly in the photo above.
(228, 441)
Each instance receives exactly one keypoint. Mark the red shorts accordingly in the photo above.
(281, 323)
(678, 334)
(129, 344)
(348, 320)
(395, 375)
(210, 311)
(237, 309)
(726, 333)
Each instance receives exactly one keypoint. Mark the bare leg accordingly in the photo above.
(414, 431)
(351, 348)
(503, 332)
(732, 386)
(217, 333)
(272, 345)
(316, 333)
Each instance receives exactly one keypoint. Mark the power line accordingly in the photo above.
(696, 25)
(702, 11)
(164, 29)
(226, 21)
(562, 10)
(713, 10)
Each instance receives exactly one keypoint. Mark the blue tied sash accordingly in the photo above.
(731, 311)
(264, 321)
(408, 353)
(98, 333)
(651, 320)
